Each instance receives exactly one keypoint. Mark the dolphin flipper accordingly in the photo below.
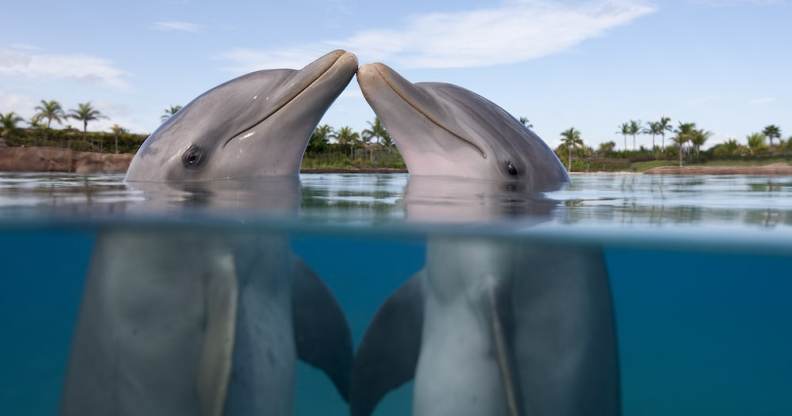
(214, 368)
(322, 336)
(388, 355)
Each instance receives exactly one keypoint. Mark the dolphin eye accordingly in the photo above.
(192, 157)
(511, 168)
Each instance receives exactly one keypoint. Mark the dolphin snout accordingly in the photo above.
(348, 60)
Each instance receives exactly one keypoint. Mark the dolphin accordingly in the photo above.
(179, 321)
(252, 126)
(489, 326)
(445, 130)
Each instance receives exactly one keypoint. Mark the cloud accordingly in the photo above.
(724, 3)
(761, 100)
(514, 31)
(20, 104)
(177, 26)
(85, 68)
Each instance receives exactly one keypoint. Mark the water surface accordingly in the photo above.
(698, 267)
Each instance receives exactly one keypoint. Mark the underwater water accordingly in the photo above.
(696, 270)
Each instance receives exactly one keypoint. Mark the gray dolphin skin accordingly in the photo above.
(493, 327)
(255, 125)
(211, 322)
(446, 130)
(488, 327)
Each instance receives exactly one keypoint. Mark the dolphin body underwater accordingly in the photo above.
(185, 323)
(487, 327)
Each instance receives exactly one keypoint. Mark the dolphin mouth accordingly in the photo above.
(340, 57)
(385, 74)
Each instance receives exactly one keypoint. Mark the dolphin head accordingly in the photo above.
(445, 130)
(255, 125)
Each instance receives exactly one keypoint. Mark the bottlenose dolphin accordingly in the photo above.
(446, 130)
(489, 326)
(206, 321)
(255, 125)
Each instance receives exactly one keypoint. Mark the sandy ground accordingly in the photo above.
(772, 169)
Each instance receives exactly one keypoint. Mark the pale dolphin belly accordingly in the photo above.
(457, 364)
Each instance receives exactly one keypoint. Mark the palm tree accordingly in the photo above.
(571, 139)
(655, 129)
(387, 141)
(684, 134)
(375, 130)
(35, 121)
(117, 132)
(525, 122)
(8, 122)
(756, 142)
(85, 113)
(730, 146)
(347, 137)
(320, 138)
(772, 132)
(698, 138)
(624, 129)
(665, 126)
(51, 110)
(170, 111)
(634, 130)
(606, 148)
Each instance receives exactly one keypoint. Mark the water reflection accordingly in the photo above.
(618, 200)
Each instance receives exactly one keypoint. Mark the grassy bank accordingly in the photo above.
(120, 141)
(322, 155)
(384, 158)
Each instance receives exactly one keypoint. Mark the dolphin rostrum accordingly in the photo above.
(489, 326)
(207, 321)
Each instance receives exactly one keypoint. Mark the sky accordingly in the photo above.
(591, 64)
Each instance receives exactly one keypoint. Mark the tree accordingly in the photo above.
(571, 139)
(698, 138)
(624, 129)
(634, 130)
(117, 131)
(85, 113)
(525, 122)
(606, 148)
(756, 142)
(35, 121)
(8, 122)
(684, 134)
(772, 132)
(376, 130)
(50, 110)
(347, 137)
(387, 141)
(655, 129)
(320, 138)
(728, 148)
(665, 126)
(170, 112)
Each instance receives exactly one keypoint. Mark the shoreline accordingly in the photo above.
(54, 159)
(773, 169)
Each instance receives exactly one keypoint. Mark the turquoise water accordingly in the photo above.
(698, 269)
